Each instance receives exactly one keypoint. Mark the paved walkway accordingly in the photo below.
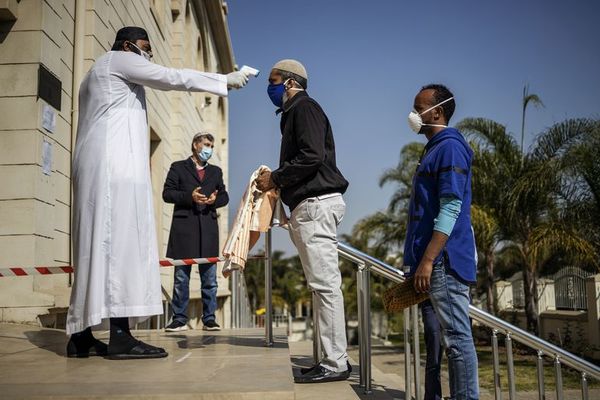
(201, 365)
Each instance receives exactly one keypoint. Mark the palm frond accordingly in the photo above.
(533, 99)
(485, 226)
(560, 137)
(550, 238)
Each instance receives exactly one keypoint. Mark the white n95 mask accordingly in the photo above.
(142, 53)
(415, 122)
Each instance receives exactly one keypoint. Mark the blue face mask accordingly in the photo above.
(276, 94)
(205, 154)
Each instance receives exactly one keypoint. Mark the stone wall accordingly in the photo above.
(34, 203)
(577, 330)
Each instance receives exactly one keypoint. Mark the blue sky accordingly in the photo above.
(366, 60)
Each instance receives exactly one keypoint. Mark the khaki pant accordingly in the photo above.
(313, 229)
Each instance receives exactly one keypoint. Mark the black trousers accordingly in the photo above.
(433, 346)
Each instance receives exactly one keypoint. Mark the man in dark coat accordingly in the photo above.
(312, 186)
(197, 190)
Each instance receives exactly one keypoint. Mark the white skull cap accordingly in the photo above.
(292, 66)
(203, 133)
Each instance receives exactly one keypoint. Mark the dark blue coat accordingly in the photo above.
(194, 229)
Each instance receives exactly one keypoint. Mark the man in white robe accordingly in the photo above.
(115, 247)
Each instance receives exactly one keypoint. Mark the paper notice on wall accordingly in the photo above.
(46, 157)
(48, 118)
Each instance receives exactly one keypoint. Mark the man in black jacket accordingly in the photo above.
(312, 186)
(197, 190)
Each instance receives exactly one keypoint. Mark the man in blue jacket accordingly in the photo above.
(440, 244)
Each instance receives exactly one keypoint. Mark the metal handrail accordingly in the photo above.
(378, 266)
(366, 263)
(486, 319)
(534, 342)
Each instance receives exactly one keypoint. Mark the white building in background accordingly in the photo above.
(46, 47)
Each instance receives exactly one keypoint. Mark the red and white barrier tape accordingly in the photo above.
(20, 271)
(190, 261)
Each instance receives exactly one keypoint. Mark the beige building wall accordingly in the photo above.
(34, 205)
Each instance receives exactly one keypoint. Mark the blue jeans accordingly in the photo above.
(181, 292)
(450, 299)
(433, 346)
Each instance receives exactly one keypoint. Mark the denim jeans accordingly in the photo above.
(433, 346)
(450, 299)
(208, 289)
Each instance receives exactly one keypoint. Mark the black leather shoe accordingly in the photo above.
(306, 370)
(321, 374)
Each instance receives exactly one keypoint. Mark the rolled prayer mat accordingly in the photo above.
(401, 296)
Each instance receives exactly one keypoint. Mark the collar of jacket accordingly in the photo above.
(292, 102)
(447, 133)
(196, 166)
(193, 164)
(191, 167)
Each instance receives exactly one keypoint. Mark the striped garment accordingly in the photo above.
(257, 212)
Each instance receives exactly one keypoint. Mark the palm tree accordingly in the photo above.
(578, 184)
(496, 166)
(527, 98)
(289, 284)
(487, 236)
(525, 198)
(382, 233)
(402, 176)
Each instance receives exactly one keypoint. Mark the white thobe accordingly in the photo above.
(114, 237)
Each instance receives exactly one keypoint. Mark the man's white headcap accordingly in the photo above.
(292, 66)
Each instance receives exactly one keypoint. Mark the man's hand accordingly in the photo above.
(198, 197)
(264, 181)
(422, 276)
(212, 198)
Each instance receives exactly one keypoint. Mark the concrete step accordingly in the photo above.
(231, 364)
(384, 386)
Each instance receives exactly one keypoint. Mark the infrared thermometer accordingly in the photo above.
(250, 71)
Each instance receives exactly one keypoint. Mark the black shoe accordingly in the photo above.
(211, 326)
(176, 326)
(86, 348)
(321, 375)
(306, 370)
(138, 350)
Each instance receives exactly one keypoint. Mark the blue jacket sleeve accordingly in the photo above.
(453, 166)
